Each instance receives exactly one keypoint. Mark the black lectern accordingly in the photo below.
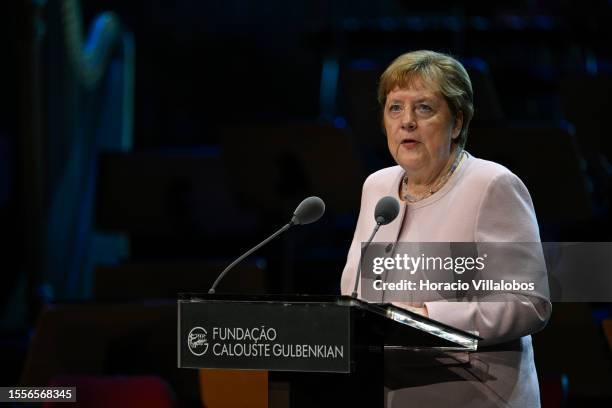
(332, 345)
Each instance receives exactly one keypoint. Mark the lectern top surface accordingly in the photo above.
(384, 311)
(281, 297)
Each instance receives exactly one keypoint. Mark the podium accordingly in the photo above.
(330, 349)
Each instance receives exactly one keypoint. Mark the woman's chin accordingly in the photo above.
(411, 166)
(410, 160)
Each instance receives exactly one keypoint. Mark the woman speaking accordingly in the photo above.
(448, 195)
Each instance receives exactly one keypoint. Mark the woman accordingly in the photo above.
(450, 196)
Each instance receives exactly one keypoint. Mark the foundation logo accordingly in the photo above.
(197, 341)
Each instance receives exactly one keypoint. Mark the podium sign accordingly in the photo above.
(265, 336)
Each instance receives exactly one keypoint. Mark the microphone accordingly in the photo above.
(307, 212)
(387, 209)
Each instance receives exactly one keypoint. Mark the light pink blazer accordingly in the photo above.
(481, 202)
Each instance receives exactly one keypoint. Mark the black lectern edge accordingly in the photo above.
(273, 370)
(416, 316)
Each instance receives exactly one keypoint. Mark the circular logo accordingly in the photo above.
(197, 342)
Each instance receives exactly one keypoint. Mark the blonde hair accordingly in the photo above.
(440, 70)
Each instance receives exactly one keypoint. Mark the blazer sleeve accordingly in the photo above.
(505, 215)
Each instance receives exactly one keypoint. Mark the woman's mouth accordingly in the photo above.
(409, 143)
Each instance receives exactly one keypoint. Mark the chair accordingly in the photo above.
(553, 391)
(573, 344)
(108, 339)
(115, 391)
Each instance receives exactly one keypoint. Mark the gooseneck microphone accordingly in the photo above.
(387, 209)
(307, 212)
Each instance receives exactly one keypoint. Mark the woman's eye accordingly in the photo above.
(395, 108)
(424, 108)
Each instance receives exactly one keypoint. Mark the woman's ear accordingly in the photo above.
(458, 125)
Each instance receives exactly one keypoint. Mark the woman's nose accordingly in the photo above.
(408, 120)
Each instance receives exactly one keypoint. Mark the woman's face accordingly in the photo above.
(419, 127)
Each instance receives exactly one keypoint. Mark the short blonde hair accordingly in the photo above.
(440, 70)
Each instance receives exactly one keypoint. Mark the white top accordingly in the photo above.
(481, 202)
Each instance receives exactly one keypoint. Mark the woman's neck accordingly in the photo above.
(421, 182)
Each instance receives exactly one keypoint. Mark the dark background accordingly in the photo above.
(210, 121)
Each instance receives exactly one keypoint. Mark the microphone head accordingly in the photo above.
(309, 211)
(386, 210)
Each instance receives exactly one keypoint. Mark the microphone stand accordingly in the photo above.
(365, 248)
(211, 291)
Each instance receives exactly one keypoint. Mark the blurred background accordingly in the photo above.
(145, 144)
